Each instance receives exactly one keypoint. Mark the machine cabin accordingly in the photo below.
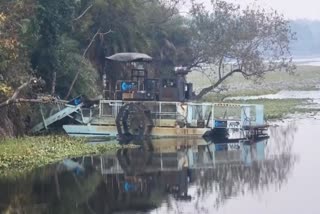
(139, 87)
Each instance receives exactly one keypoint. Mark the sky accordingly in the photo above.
(291, 9)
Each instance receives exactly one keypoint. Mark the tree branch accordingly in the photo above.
(42, 101)
(17, 92)
(83, 13)
(219, 68)
(91, 42)
(84, 56)
(196, 63)
(206, 90)
(15, 99)
(54, 80)
(207, 76)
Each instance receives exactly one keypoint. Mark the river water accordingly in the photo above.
(311, 61)
(275, 175)
(284, 94)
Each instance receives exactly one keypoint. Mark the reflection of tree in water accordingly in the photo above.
(282, 139)
(56, 190)
(49, 190)
(233, 179)
(143, 186)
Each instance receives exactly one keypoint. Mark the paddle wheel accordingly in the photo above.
(133, 122)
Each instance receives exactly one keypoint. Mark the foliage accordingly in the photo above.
(62, 31)
(250, 41)
(5, 90)
(25, 154)
(67, 39)
(14, 64)
(152, 27)
(70, 63)
(53, 19)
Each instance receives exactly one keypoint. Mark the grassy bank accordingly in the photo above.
(304, 78)
(278, 109)
(24, 154)
(275, 108)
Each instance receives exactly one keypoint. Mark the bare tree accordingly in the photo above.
(250, 41)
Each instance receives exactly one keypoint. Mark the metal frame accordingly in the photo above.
(159, 116)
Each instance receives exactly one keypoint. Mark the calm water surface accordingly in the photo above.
(276, 175)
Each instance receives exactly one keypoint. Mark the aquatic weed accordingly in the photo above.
(24, 154)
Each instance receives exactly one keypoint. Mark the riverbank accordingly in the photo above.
(276, 109)
(268, 91)
(305, 77)
(18, 155)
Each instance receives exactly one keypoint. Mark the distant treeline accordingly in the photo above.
(308, 38)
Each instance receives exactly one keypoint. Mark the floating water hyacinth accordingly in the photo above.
(24, 154)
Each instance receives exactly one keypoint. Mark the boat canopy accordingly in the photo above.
(130, 57)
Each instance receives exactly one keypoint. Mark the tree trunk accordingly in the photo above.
(6, 124)
(53, 88)
(15, 99)
(84, 56)
(208, 89)
(16, 93)
(205, 91)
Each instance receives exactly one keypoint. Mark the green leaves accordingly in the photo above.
(25, 154)
(250, 41)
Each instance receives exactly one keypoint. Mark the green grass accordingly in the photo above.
(279, 108)
(219, 97)
(304, 78)
(26, 154)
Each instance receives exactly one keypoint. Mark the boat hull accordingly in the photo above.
(111, 131)
(90, 131)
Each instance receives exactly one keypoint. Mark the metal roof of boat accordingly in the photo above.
(130, 57)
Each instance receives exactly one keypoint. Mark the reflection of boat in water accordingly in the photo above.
(166, 154)
(149, 177)
(162, 172)
(146, 104)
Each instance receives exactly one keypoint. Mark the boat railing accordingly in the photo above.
(167, 113)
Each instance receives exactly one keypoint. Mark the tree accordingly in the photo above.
(153, 27)
(14, 64)
(250, 41)
(169, 35)
(53, 19)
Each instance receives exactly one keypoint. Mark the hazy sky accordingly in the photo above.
(293, 9)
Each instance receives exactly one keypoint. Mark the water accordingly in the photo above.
(311, 61)
(275, 175)
(284, 94)
(312, 96)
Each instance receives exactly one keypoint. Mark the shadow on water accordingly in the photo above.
(158, 174)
